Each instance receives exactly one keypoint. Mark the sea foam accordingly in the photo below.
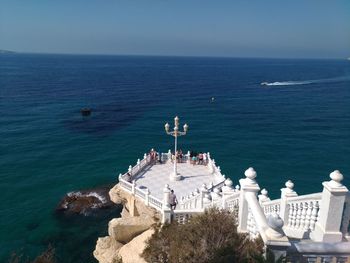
(304, 82)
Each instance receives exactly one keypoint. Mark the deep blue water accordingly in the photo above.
(299, 132)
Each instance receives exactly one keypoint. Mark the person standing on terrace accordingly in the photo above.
(172, 200)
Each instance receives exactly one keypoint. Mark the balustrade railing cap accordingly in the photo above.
(288, 191)
(289, 184)
(166, 189)
(250, 173)
(264, 192)
(336, 177)
(228, 182)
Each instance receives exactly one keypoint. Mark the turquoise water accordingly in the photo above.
(298, 128)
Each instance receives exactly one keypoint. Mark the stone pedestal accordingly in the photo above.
(286, 193)
(327, 228)
(247, 185)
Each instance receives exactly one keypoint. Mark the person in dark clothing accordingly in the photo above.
(172, 200)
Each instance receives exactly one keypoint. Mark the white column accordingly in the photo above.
(204, 191)
(247, 185)
(327, 228)
(166, 213)
(188, 157)
(286, 193)
(138, 163)
(147, 197)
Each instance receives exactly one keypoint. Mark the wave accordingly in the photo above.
(305, 82)
(90, 194)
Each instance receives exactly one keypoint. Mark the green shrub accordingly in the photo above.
(208, 238)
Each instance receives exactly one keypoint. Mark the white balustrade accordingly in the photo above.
(154, 202)
(345, 227)
(271, 207)
(302, 217)
(183, 216)
(125, 185)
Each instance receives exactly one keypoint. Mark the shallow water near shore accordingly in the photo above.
(295, 131)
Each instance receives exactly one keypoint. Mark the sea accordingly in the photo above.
(296, 126)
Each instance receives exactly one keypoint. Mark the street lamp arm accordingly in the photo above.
(176, 134)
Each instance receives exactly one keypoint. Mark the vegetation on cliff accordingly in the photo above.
(207, 238)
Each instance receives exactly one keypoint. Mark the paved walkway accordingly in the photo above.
(155, 177)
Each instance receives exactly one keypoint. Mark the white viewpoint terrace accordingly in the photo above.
(156, 176)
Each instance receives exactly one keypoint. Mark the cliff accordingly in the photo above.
(126, 235)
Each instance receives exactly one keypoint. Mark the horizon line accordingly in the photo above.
(7, 51)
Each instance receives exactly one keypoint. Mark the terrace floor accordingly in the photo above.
(155, 177)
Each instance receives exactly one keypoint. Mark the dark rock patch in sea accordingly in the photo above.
(85, 202)
(106, 118)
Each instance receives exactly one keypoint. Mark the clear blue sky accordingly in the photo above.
(250, 28)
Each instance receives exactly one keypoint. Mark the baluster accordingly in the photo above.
(307, 216)
(290, 215)
(318, 210)
(298, 215)
(314, 215)
(303, 215)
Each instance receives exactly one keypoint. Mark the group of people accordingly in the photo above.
(195, 158)
(155, 157)
(200, 158)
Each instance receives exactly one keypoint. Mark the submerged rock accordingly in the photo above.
(85, 202)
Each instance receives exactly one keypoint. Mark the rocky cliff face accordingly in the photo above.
(126, 235)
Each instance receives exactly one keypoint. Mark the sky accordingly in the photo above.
(228, 28)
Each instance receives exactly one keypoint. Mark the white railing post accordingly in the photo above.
(346, 219)
(133, 187)
(327, 228)
(212, 166)
(166, 213)
(247, 185)
(129, 170)
(204, 191)
(169, 156)
(286, 193)
(138, 163)
(227, 190)
(188, 157)
(147, 197)
(263, 197)
(120, 176)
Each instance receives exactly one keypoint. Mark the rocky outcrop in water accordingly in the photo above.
(85, 202)
(127, 235)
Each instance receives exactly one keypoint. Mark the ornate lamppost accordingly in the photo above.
(174, 176)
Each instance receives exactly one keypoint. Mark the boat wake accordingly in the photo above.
(285, 83)
(305, 82)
